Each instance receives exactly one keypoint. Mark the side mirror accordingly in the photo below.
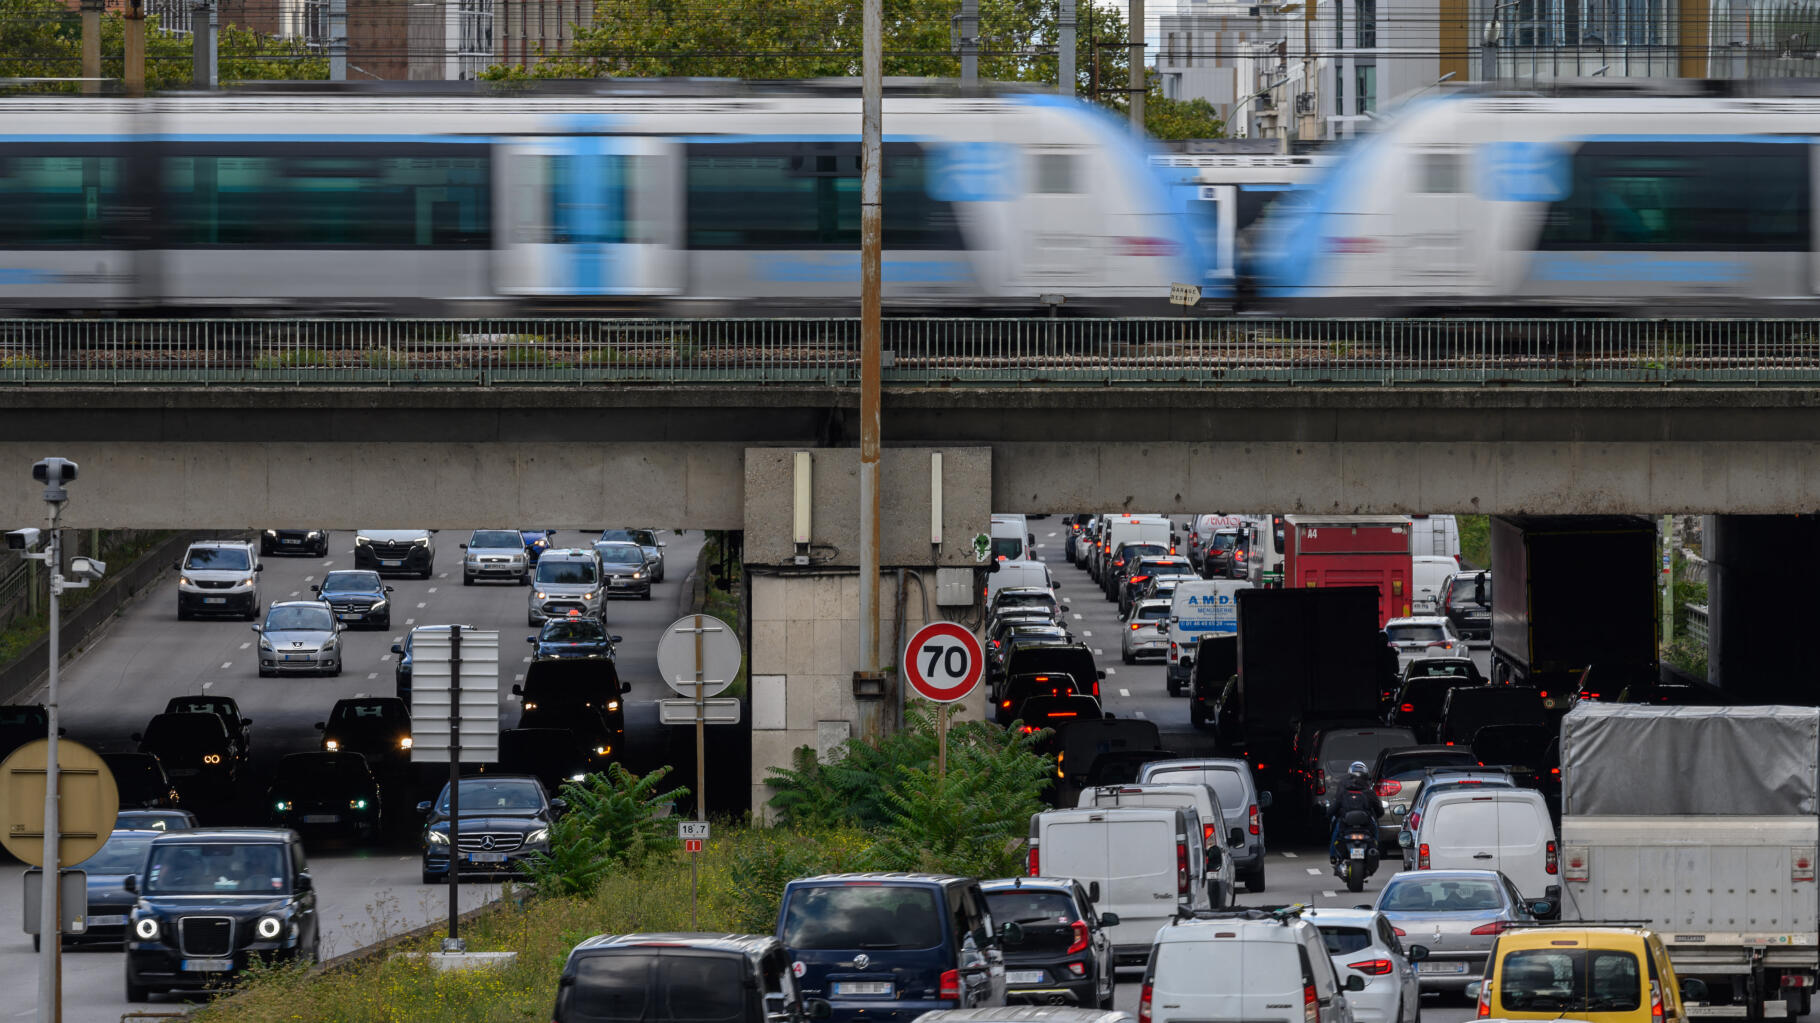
(1692, 989)
(518, 690)
(1265, 799)
(1542, 908)
(661, 545)
(625, 687)
(423, 807)
(303, 883)
(817, 1008)
(1064, 608)
(1012, 933)
(258, 568)
(398, 648)
(388, 589)
(1031, 539)
(559, 804)
(1093, 891)
(616, 639)
(1100, 674)
(1416, 953)
(246, 722)
(1355, 983)
(1405, 839)
(1109, 919)
(258, 628)
(1236, 838)
(321, 726)
(131, 884)
(463, 546)
(314, 588)
(178, 565)
(1472, 990)
(531, 640)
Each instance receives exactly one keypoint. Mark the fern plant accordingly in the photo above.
(614, 818)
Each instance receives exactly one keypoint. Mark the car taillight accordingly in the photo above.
(1414, 822)
(1036, 863)
(1408, 708)
(1655, 999)
(1311, 1005)
(1801, 868)
(1118, 563)
(1484, 1000)
(1181, 868)
(1079, 944)
(1256, 821)
(1375, 967)
(1552, 863)
(1320, 781)
(1006, 704)
(1206, 834)
(1422, 857)
(1144, 1005)
(1495, 927)
(1389, 787)
(951, 984)
(1172, 652)
(1401, 933)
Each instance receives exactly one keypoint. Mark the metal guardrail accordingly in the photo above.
(1696, 622)
(1089, 352)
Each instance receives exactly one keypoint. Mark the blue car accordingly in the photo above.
(536, 542)
(888, 947)
(573, 638)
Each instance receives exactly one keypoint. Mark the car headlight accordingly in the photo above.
(422, 541)
(184, 580)
(377, 604)
(541, 594)
(146, 929)
(282, 805)
(314, 534)
(612, 705)
(638, 575)
(361, 541)
(588, 595)
(271, 532)
(268, 927)
(331, 745)
(530, 705)
(265, 644)
(357, 804)
(538, 836)
(404, 743)
(436, 837)
(248, 581)
(601, 751)
(328, 644)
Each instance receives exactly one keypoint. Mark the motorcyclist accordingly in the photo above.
(1356, 796)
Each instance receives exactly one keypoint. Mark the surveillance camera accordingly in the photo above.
(87, 568)
(23, 539)
(54, 473)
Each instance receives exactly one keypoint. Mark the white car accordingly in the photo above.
(1362, 943)
(1424, 636)
(1143, 633)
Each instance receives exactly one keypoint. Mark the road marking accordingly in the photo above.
(1112, 671)
(295, 592)
(1140, 713)
(1289, 856)
(1087, 634)
(372, 675)
(309, 578)
(527, 660)
(208, 685)
(444, 575)
(421, 605)
(385, 657)
(1077, 617)
(1314, 871)
(1050, 535)
(243, 646)
(431, 590)
(1099, 653)
(518, 677)
(1124, 692)
(1330, 895)
(327, 564)
(225, 665)
(410, 621)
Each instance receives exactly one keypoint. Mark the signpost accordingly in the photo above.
(699, 655)
(943, 663)
(455, 713)
(1184, 294)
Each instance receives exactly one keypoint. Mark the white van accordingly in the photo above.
(1434, 535)
(1024, 574)
(1506, 830)
(1129, 529)
(1216, 838)
(1201, 607)
(1146, 864)
(1011, 537)
(1431, 570)
(1244, 965)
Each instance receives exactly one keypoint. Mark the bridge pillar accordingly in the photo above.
(804, 643)
(1763, 601)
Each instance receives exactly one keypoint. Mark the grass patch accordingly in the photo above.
(292, 358)
(123, 548)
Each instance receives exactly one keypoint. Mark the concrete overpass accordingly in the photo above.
(197, 457)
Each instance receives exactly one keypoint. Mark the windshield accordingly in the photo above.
(643, 537)
(1142, 550)
(1153, 612)
(1463, 590)
(289, 619)
(1438, 667)
(1006, 599)
(350, 582)
(496, 539)
(1344, 941)
(142, 820)
(1345, 747)
(178, 730)
(573, 630)
(1415, 764)
(367, 712)
(123, 854)
(1576, 979)
(1007, 547)
(219, 559)
(1031, 907)
(182, 706)
(1440, 895)
(1224, 541)
(695, 988)
(210, 868)
(616, 555)
(31, 717)
(1416, 634)
(620, 535)
(565, 573)
(862, 917)
(488, 795)
(1228, 787)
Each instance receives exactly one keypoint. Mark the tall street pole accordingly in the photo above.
(1136, 29)
(50, 927)
(204, 73)
(970, 47)
(871, 246)
(91, 46)
(135, 47)
(338, 40)
(1065, 46)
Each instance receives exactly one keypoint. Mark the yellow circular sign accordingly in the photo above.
(89, 802)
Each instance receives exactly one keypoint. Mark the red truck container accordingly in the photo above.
(1351, 550)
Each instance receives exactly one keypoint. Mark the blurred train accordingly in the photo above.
(1676, 198)
(673, 198)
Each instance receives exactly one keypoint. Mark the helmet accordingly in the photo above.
(1358, 768)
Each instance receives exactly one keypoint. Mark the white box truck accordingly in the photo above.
(1700, 822)
(1207, 607)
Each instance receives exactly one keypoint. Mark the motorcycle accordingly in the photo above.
(1358, 859)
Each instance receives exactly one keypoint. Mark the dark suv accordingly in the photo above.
(212, 902)
(1466, 602)
(680, 978)
(888, 947)
(198, 755)
(1066, 954)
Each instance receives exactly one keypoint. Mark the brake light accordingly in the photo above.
(1206, 834)
(951, 984)
(1256, 821)
(1079, 944)
(1118, 563)
(1134, 626)
(1408, 708)
(1802, 868)
(1655, 999)
(1062, 714)
(1495, 927)
(1006, 704)
(1320, 781)
(1553, 863)
(1172, 548)
(1375, 967)
(1484, 1000)
(1311, 1005)
(1415, 821)
(1144, 1005)
(1181, 868)
(1422, 857)
(1036, 862)
(1389, 787)
(1096, 690)
(1401, 933)
(1172, 652)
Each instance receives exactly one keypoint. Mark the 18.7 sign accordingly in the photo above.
(943, 662)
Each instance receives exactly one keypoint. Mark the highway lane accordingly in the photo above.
(146, 656)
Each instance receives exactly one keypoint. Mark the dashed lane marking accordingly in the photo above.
(520, 677)
(208, 685)
(431, 590)
(1289, 855)
(1099, 653)
(421, 605)
(372, 675)
(1087, 634)
(1330, 895)
(1314, 871)
(1077, 617)
(527, 660)
(1112, 671)
(1140, 713)
(295, 592)
(225, 665)
(444, 575)
(243, 646)
(410, 621)
(1124, 692)
(309, 578)
(400, 639)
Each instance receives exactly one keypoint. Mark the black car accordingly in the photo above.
(598, 734)
(224, 707)
(20, 724)
(1417, 705)
(555, 756)
(1015, 690)
(357, 597)
(1465, 599)
(1022, 634)
(376, 727)
(295, 541)
(1090, 748)
(398, 551)
(155, 820)
(1056, 713)
(1072, 659)
(1221, 560)
(575, 638)
(551, 687)
(1518, 747)
(1066, 955)
(1126, 559)
(504, 819)
(730, 978)
(197, 752)
(212, 902)
(1466, 709)
(1216, 661)
(108, 900)
(141, 781)
(325, 792)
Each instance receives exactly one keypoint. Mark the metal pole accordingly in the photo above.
(1136, 28)
(135, 48)
(1065, 47)
(453, 944)
(970, 49)
(91, 46)
(338, 40)
(204, 71)
(701, 744)
(871, 234)
(50, 987)
(1668, 581)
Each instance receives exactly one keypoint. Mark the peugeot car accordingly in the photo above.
(299, 636)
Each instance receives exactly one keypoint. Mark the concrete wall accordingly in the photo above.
(1762, 600)
(904, 496)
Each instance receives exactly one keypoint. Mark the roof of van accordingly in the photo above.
(1533, 937)
(1495, 792)
(1261, 928)
(742, 943)
(880, 875)
(1111, 814)
(1025, 1014)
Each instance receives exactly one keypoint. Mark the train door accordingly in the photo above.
(1432, 218)
(1214, 219)
(1059, 220)
(589, 215)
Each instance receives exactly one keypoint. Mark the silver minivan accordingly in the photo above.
(219, 577)
(1241, 804)
(567, 582)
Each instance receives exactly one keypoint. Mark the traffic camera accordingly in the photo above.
(87, 568)
(23, 539)
(54, 473)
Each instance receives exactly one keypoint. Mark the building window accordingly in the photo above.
(1365, 16)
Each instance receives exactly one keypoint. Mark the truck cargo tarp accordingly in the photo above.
(1632, 760)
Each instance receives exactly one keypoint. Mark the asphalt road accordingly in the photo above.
(146, 656)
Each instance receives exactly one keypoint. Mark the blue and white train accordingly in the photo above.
(715, 198)
(1599, 200)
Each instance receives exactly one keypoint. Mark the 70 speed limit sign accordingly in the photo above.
(943, 662)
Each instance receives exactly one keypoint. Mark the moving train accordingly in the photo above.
(673, 198)
(1667, 198)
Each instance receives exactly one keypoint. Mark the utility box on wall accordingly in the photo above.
(786, 495)
(954, 587)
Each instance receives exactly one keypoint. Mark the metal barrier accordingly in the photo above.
(938, 352)
(1696, 622)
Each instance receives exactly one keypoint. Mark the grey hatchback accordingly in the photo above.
(1457, 915)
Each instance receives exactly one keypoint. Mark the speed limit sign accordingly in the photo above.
(943, 662)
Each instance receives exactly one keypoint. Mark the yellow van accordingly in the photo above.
(1604, 974)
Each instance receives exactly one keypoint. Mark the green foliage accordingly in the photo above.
(1180, 119)
(613, 820)
(760, 861)
(43, 39)
(1475, 539)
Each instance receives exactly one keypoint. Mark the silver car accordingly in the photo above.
(647, 541)
(495, 554)
(1143, 633)
(299, 636)
(568, 582)
(627, 568)
(1457, 915)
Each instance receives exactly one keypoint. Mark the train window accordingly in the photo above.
(786, 195)
(57, 200)
(354, 196)
(1443, 173)
(1056, 174)
(1683, 196)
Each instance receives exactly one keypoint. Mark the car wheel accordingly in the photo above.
(1196, 716)
(137, 992)
(645, 595)
(1174, 687)
(182, 615)
(37, 940)
(429, 878)
(1128, 659)
(530, 622)
(525, 579)
(337, 672)
(252, 614)
(1254, 881)
(466, 579)
(1106, 999)
(265, 673)
(426, 573)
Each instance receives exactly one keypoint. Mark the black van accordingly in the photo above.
(1216, 661)
(583, 686)
(673, 978)
(1466, 709)
(1074, 660)
(888, 947)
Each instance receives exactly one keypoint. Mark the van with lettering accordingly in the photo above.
(1206, 607)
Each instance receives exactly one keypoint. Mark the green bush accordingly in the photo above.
(614, 820)
(746, 879)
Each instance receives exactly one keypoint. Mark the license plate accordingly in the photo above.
(1440, 967)
(862, 987)
(486, 857)
(322, 818)
(351, 616)
(184, 772)
(391, 564)
(1024, 977)
(208, 965)
(108, 920)
(299, 657)
(290, 541)
(1357, 854)
(214, 600)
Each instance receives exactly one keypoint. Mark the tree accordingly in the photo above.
(43, 39)
(1180, 118)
